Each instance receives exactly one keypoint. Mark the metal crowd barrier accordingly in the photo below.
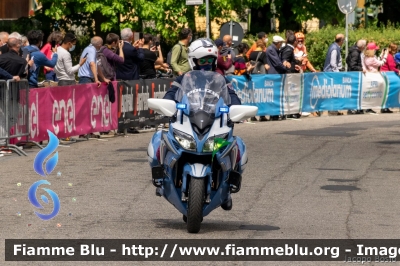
(14, 115)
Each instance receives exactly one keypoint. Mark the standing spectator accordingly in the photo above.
(56, 37)
(287, 54)
(397, 59)
(224, 60)
(24, 41)
(259, 58)
(14, 35)
(133, 56)
(372, 63)
(353, 59)
(179, 56)
(35, 38)
(228, 42)
(227, 39)
(242, 67)
(300, 52)
(12, 62)
(3, 42)
(148, 65)
(277, 66)
(261, 36)
(88, 71)
(113, 59)
(64, 70)
(354, 63)
(333, 60)
(390, 65)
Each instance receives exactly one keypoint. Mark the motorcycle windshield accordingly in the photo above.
(203, 90)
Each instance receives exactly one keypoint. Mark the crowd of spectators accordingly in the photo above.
(127, 58)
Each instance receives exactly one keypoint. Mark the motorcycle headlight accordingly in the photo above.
(209, 144)
(186, 141)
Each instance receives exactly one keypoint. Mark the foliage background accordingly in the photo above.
(317, 42)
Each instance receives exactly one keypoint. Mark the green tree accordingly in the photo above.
(167, 16)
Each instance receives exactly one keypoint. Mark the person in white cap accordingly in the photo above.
(276, 66)
(273, 58)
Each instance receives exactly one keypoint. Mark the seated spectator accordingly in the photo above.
(88, 71)
(148, 65)
(261, 36)
(56, 37)
(12, 62)
(133, 55)
(258, 56)
(224, 60)
(35, 38)
(64, 70)
(108, 73)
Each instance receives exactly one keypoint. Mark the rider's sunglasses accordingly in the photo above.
(300, 41)
(202, 61)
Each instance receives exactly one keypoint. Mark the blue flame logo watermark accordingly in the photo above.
(44, 171)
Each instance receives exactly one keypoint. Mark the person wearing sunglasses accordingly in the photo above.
(300, 52)
(202, 55)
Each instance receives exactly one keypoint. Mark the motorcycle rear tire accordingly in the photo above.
(195, 204)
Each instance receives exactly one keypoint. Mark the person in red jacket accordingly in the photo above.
(56, 37)
(390, 64)
(224, 61)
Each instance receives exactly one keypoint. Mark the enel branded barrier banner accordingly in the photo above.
(310, 92)
(71, 111)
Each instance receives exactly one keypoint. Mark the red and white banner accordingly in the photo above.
(71, 111)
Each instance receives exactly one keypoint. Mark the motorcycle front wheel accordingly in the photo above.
(195, 204)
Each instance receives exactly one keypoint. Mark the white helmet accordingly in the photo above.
(202, 48)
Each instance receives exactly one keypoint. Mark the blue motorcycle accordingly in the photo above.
(197, 163)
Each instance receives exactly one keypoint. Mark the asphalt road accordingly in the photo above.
(315, 178)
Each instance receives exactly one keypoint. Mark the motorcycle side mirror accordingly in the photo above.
(238, 113)
(162, 106)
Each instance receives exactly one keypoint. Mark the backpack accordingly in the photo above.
(259, 67)
(103, 65)
(169, 55)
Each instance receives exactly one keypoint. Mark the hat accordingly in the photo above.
(219, 42)
(372, 46)
(276, 39)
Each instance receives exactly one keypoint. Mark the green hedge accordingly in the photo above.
(317, 42)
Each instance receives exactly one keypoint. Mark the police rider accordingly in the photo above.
(203, 56)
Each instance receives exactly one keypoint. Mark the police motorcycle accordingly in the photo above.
(197, 162)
